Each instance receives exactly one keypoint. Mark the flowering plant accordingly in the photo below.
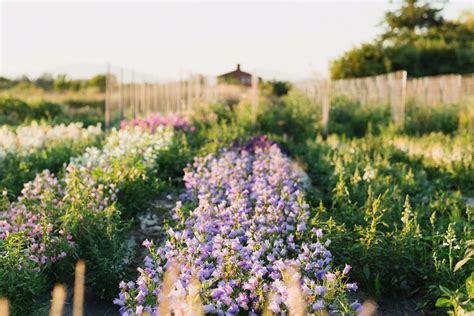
(29, 150)
(27, 140)
(155, 120)
(244, 219)
(74, 215)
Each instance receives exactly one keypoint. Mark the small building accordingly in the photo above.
(236, 77)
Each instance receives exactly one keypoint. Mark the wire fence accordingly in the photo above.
(393, 89)
(130, 94)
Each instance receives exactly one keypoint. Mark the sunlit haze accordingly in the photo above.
(281, 40)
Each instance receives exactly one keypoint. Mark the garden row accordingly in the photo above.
(393, 206)
(242, 221)
(83, 212)
(29, 149)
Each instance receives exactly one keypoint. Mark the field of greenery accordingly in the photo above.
(368, 211)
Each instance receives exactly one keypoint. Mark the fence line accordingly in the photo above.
(130, 94)
(393, 89)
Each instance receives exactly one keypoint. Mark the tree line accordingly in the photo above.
(416, 38)
(59, 83)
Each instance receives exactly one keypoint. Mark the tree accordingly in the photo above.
(61, 83)
(6, 83)
(98, 81)
(280, 88)
(365, 60)
(413, 15)
(417, 39)
(45, 81)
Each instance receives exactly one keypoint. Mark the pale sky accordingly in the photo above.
(286, 40)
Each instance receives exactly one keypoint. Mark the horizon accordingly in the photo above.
(276, 40)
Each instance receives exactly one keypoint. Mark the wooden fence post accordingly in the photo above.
(326, 104)
(121, 101)
(107, 97)
(403, 96)
(397, 91)
(190, 92)
(254, 98)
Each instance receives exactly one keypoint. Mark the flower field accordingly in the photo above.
(379, 216)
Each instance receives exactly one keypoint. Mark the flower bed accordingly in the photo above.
(78, 214)
(27, 140)
(243, 220)
(28, 150)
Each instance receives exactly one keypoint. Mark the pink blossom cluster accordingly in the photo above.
(153, 120)
(34, 226)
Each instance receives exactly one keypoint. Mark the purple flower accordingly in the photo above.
(330, 276)
(352, 286)
(250, 222)
(147, 244)
(118, 302)
(318, 305)
(347, 268)
(209, 308)
(217, 293)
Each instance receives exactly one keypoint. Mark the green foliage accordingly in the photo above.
(413, 15)
(354, 120)
(45, 82)
(417, 40)
(14, 111)
(15, 170)
(460, 300)
(6, 83)
(60, 83)
(98, 81)
(401, 225)
(280, 88)
(365, 60)
(425, 119)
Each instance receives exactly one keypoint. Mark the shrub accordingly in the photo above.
(353, 120)
(13, 111)
(426, 119)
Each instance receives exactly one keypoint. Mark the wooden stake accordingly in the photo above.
(59, 296)
(79, 289)
(4, 307)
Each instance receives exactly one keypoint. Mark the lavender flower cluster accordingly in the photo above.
(243, 220)
(155, 120)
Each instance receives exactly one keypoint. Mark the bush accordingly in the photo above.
(353, 120)
(14, 111)
(400, 224)
(46, 110)
(427, 119)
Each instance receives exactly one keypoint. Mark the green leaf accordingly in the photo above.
(443, 302)
(445, 290)
(366, 271)
(470, 285)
